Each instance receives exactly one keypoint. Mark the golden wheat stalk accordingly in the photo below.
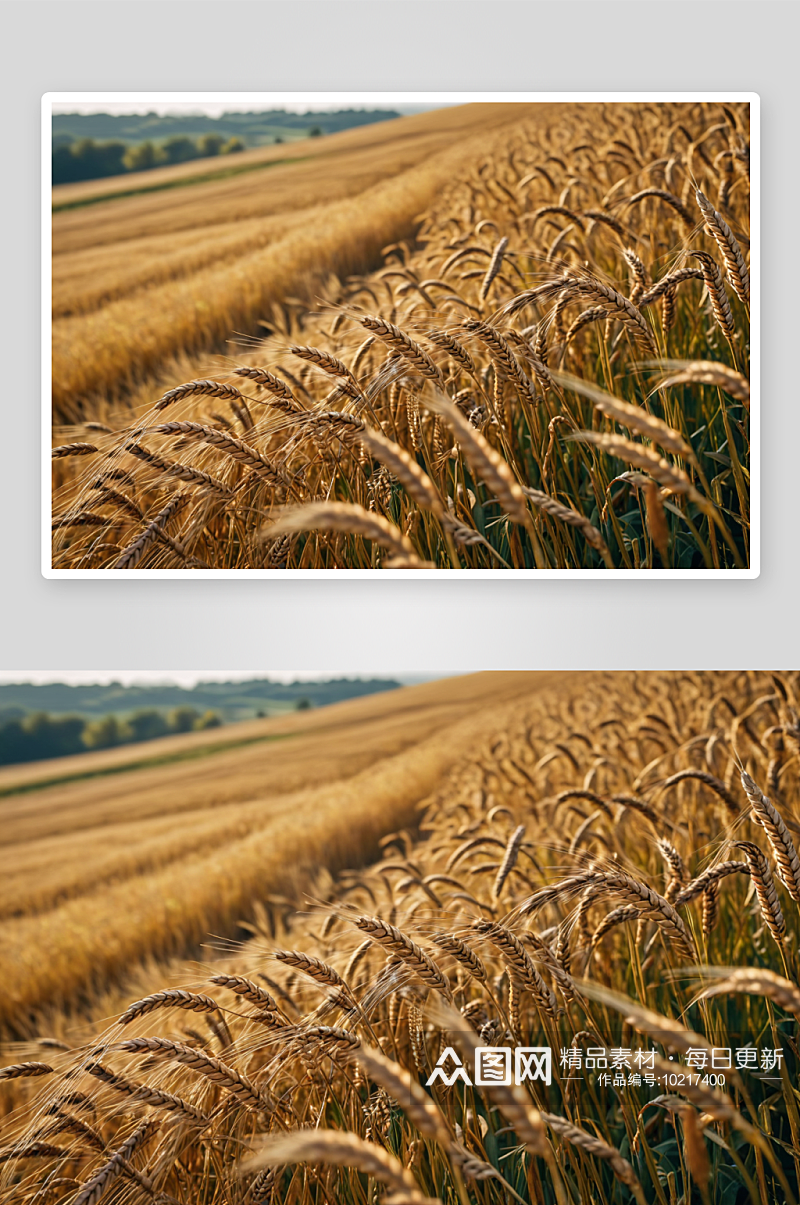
(495, 264)
(704, 372)
(627, 415)
(666, 474)
(770, 819)
(237, 449)
(412, 477)
(484, 460)
(171, 998)
(25, 1070)
(731, 252)
(597, 1147)
(131, 555)
(76, 449)
(344, 517)
(759, 981)
(336, 1148)
(211, 1068)
(412, 955)
(155, 1097)
(96, 1187)
(764, 884)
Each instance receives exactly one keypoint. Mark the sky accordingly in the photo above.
(188, 678)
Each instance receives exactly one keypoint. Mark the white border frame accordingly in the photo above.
(381, 99)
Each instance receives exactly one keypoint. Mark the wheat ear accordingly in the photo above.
(414, 479)
(633, 417)
(400, 944)
(95, 1188)
(731, 252)
(495, 264)
(132, 554)
(706, 372)
(483, 459)
(666, 474)
(346, 517)
(171, 998)
(772, 822)
(595, 1146)
(757, 981)
(77, 449)
(213, 1069)
(337, 1148)
(24, 1070)
(764, 884)
(509, 860)
(154, 1097)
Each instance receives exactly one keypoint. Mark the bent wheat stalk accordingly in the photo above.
(332, 1148)
(344, 517)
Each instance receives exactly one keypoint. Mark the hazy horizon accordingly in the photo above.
(217, 109)
(188, 678)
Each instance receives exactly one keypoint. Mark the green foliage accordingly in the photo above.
(179, 150)
(87, 160)
(40, 736)
(303, 705)
(183, 719)
(105, 733)
(82, 149)
(140, 158)
(210, 144)
(209, 719)
(147, 724)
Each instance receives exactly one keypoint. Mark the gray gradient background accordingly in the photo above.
(439, 625)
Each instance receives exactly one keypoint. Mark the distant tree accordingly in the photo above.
(278, 139)
(140, 158)
(233, 146)
(315, 132)
(260, 715)
(210, 144)
(179, 149)
(183, 719)
(53, 737)
(105, 733)
(40, 736)
(13, 743)
(147, 725)
(209, 719)
(99, 158)
(303, 705)
(87, 160)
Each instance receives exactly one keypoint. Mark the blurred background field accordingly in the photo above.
(141, 279)
(111, 858)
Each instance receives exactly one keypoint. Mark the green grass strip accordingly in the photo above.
(144, 763)
(183, 182)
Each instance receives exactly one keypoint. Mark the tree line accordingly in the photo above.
(40, 736)
(86, 159)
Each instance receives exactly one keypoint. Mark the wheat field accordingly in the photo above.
(178, 835)
(611, 865)
(139, 279)
(550, 370)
